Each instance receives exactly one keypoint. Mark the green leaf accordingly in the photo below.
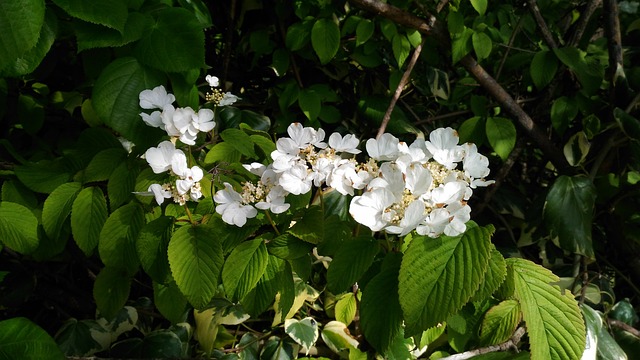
(29, 61)
(92, 36)
(310, 227)
(500, 322)
(554, 322)
(111, 291)
(364, 31)
(288, 247)
(122, 183)
(22, 339)
(310, 103)
(170, 302)
(20, 25)
(18, 227)
(222, 152)
(43, 176)
(401, 48)
(501, 134)
(117, 245)
(481, 44)
(325, 39)
(543, 68)
(574, 58)
(628, 123)
(88, 215)
(438, 276)
(195, 257)
(297, 36)
(244, 267)
(174, 43)
(380, 311)
(304, 332)
(152, 245)
(563, 110)
(277, 277)
(599, 341)
(461, 45)
(577, 148)
(103, 164)
(200, 10)
(336, 335)
(240, 141)
(115, 99)
(345, 308)
(473, 130)
(480, 6)
(57, 208)
(77, 338)
(109, 13)
(231, 117)
(494, 277)
(351, 261)
(568, 213)
(13, 191)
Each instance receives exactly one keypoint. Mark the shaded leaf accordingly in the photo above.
(88, 215)
(18, 227)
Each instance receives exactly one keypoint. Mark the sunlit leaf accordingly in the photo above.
(501, 134)
(325, 39)
(304, 332)
(244, 267)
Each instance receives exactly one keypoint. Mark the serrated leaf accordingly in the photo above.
(336, 335)
(13, 191)
(18, 227)
(92, 36)
(111, 291)
(325, 39)
(480, 6)
(482, 45)
(57, 208)
(438, 276)
(103, 163)
(110, 13)
(288, 247)
(122, 183)
(170, 302)
(401, 47)
(174, 43)
(263, 294)
(304, 332)
(29, 61)
(152, 245)
(568, 213)
(115, 99)
(494, 277)
(196, 259)
(310, 227)
(350, 262)
(501, 134)
(543, 68)
(20, 26)
(364, 31)
(118, 237)
(88, 215)
(380, 311)
(244, 268)
(240, 141)
(554, 322)
(500, 322)
(22, 339)
(43, 176)
(345, 308)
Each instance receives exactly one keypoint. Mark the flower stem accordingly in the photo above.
(273, 225)
(186, 208)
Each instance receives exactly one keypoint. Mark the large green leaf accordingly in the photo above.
(152, 245)
(568, 212)
(103, 163)
(480, 6)
(493, 278)
(43, 176)
(351, 261)
(117, 245)
(401, 48)
(501, 134)
(500, 322)
(57, 208)
(109, 13)
(482, 45)
(543, 68)
(575, 59)
(122, 182)
(240, 141)
(111, 290)
(170, 302)
(554, 322)
(195, 257)
(22, 339)
(325, 39)
(288, 247)
(277, 277)
(20, 24)
(310, 227)
(175, 42)
(223, 152)
(88, 215)
(94, 36)
(18, 227)
(115, 99)
(380, 311)
(438, 276)
(244, 268)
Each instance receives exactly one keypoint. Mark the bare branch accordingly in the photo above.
(624, 326)
(546, 34)
(510, 344)
(581, 25)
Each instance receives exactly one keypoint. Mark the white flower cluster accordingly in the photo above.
(404, 187)
(180, 123)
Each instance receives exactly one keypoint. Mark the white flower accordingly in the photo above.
(459, 215)
(182, 118)
(255, 168)
(203, 120)
(167, 120)
(435, 223)
(418, 179)
(275, 201)
(154, 119)
(369, 208)
(413, 215)
(212, 80)
(231, 208)
(443, 144)
(296, 180)
(160, 158)
(305, 136)
(228, 99)
(157, 98)
(453, 191)
(191, 177)
(347, 144)
(385, 148)
(159, 192)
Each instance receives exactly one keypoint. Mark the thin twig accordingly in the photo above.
(512, 343)
(624, 326)
(546, 33)
(509, 46)
(582, 22)
(401, 85)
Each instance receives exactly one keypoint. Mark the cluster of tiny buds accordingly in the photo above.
(215, 96)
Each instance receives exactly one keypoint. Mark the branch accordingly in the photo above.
(546, 34)
(583, 21)
(512, 343)
(504, 99)
(614, 40)
(401, 84)
(624, 326)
